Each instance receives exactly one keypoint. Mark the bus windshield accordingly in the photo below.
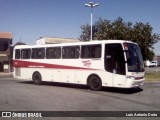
(134, 58)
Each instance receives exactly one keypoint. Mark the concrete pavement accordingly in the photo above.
(3, 75)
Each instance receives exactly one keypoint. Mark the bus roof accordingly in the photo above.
(73, 44)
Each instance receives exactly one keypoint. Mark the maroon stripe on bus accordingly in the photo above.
(138, 78)
(28, 64)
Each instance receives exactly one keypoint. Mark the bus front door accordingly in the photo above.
(115, 63)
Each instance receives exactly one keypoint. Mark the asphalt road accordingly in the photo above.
(18, 95)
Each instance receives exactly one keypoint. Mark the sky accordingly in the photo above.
(29, 20)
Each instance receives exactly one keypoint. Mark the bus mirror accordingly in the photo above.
(125, 46)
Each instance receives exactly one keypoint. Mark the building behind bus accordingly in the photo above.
(5, 51)
(54, 40)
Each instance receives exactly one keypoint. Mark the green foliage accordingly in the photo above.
(139, 32)
(20, 43)
(86, 31)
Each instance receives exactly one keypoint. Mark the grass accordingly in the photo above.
(152, 76)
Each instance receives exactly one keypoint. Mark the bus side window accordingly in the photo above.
(25, 53)
(70, 52)
(38, 53)
(96, 51)
(65, 53)
(77, 52)
(85, 52)
(58, 53)
(17, 54)
(53, 53)
(91, 51)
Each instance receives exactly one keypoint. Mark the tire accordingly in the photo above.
(37, 79)
(94, 83)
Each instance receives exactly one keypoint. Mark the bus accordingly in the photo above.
(110, 63)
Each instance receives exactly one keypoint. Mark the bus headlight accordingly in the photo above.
(130, 77)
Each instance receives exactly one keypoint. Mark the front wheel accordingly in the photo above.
(94, 83)
(37, 79)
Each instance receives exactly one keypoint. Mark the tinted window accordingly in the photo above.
(25, 53)
(71, 52)
(53, 53)
(17, 54)
(38, 53)
(134, 58)
(91, 51)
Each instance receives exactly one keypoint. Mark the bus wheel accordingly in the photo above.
(37, 79)
(94, 82)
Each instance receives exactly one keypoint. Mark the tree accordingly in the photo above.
(19, 43)
(139, 32)
(142, 34)
(86, 31)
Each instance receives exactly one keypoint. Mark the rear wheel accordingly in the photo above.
(94, 82)
(37, 79)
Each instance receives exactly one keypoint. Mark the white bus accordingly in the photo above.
(112, 63)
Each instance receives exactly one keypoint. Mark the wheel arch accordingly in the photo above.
(93, 74)
(37, 78)
(36, 72)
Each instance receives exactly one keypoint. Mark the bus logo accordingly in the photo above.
(6, 114)
(86, 63)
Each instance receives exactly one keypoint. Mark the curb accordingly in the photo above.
(2, 75)
(152, 81)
